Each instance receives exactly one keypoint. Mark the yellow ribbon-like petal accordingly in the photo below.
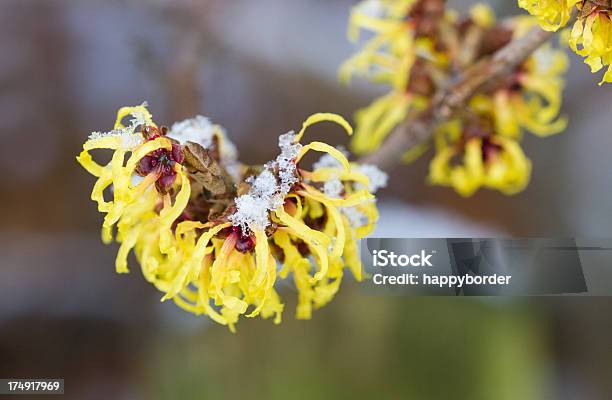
(321, 117)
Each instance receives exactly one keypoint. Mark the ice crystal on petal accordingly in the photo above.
(329, 161)
(202, 131)
(286, 141)
(252, 213)
(131, 141)
(377, 179)
(268, 190)
(138, 118)
(197, 130)
(264, 185)
(286, 161)
(355, 217)
(333, 188)
(129, 138)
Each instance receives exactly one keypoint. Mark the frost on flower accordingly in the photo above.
(202, 131)
(377, 179)
(198, 130)
(211, 240)
(268, 191)
(127, 135)
(328, 161)
(355, 217)
(333, 188)
(368, 177)
(252, 208)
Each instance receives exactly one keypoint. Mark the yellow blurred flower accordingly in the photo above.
(591, 35)
(389, 54)
(469, 156)
(402, 42)
(531, 97)
(223, 262)
(436, 43)
(481, 146)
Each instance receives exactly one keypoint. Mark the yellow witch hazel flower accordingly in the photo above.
(469, 156)
(391, 50)
(480, 148)
(591, 35)
(531, 97)
(209, 232)
(552, 14)
(397, 55)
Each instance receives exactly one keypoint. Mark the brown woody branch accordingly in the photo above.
(480, 76)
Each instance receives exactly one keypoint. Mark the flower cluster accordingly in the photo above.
(479, 147)
(591, 35)
(402, 54)
(216, 236)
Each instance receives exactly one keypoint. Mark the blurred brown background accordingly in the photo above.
(259, 68)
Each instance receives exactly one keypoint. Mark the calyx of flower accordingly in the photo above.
(207, 172)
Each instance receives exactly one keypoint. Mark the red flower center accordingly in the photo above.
(244, 242)
(160, 161)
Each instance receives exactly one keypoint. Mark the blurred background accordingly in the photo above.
(259, 68)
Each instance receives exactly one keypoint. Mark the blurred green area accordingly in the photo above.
(362, 347)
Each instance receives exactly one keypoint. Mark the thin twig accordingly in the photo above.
(479, 76)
